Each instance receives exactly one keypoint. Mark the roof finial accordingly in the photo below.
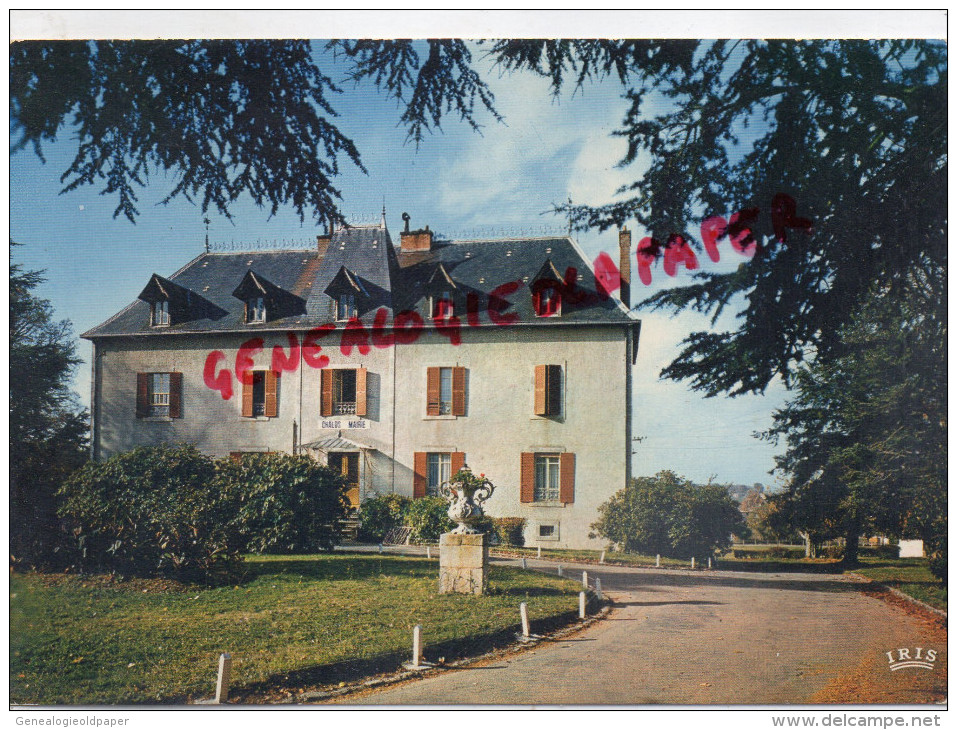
(382, 224)
(206, 221)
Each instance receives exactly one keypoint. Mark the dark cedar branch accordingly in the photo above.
(228, 117)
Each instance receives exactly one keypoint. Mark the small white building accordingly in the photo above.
(911, 549)
(395, 365)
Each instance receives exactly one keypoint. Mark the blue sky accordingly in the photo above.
(459, 183)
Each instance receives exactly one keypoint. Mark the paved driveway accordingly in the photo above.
(677, 637)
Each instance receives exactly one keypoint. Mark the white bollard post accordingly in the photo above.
(523, 612)
(602, 558)
(581, 605)
(657, 561)
(539, 551)
(709, 563)
(560, 573)
(692, 563)
(380, 548)
(428, 552)
(222, 678)
(598, 589)
(585, 579)
(417, 646)
(524, 564)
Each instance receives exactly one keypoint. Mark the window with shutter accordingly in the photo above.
(142, 395)
(325, 407)
(159, 395)
(419, 475)
(458, 391)
(248, 406)
(567, 478)
(433, 392)
(271, 405)
(175, 395)
(548, 390)
(445, 391)
(527, 489)
(361, 391)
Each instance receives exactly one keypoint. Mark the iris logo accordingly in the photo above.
(921, 659)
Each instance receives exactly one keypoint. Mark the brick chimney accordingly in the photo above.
(324, 239)
(420, 240)
(624, 265)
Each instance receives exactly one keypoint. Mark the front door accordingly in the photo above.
(347, 464)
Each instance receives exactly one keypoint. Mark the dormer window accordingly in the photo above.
(255, 310)
(546, 289)
(346, 307)
(159, 313)
(548, 302)
(443, 306)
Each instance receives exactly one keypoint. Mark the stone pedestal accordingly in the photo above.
(463, 563)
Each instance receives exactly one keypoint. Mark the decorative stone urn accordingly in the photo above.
(466, 493)
(463, 552)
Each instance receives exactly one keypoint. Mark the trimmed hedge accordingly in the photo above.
(428, 518)
(510, 530)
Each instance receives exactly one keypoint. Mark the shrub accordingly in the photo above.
(284, 503)
(834, 552)
(936, 550)
(670, 516)
(428, 517)
(151, 511)
(509, 530)
(378, 515)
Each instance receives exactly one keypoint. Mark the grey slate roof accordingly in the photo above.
(392, 280)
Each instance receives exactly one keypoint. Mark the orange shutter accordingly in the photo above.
(175, 395)
(432, 392)
(248, 394)
(142, 395)
(541, 379)
(553, 389)
(458, 391)
(457, 459)
(361, 391)
(272, 394)
(418, 474)
(527, 492)
(325, 407)
(566, 492)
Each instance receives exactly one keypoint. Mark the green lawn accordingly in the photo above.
(292, 622)
(908, 575)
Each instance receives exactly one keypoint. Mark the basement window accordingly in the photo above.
(548, 531)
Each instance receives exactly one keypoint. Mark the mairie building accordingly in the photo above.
(395, 365)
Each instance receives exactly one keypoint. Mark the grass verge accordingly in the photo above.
(910, 576)
(292, 621)
(593, 556)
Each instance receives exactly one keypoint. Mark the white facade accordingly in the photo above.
(498, 427)
(532, 332)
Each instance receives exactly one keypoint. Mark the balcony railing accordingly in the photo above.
(344, 408)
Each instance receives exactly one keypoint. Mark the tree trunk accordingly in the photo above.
(807, 544)
(850, 547)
